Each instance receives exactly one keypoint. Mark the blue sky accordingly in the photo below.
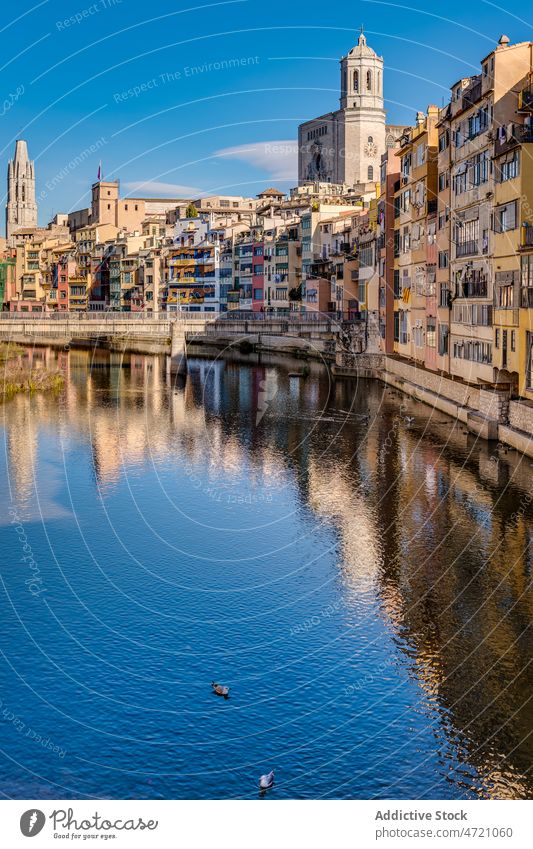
(191, 96)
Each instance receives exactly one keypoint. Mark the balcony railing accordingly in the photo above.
(515, 134)
(469, 248)
(525, 99)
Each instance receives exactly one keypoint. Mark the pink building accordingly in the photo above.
(430, 357)
(258, 276)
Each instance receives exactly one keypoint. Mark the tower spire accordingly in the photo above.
(21, 207)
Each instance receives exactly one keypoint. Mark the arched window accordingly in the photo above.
(370, 173)
(370, 140)
(369, 80)
(356, 81)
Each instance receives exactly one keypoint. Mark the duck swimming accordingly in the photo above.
(220, 689)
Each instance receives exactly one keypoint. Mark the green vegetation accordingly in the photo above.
(16, 374)
(191, 211)
(8, 350)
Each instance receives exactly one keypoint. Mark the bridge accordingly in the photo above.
(316, 334)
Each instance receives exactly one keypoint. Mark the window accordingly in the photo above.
(396, 243)
(478, 315)
(476, 352)
(513, 340)
(444, 140)
(497, 338)
(460, 181)
(356, 81)
(397, 287)
(396, 326)
(479, 169)
(258, 294)
(505, 217)
(466, 237)
(444, 295)
(444, 335)
(505, 297)
(258, 269)
(431, 332)
(526, 282)
(125, 206)
(444, 180)
(370, 173)
(443, 259)
(508, 168)
(403, 327)
(369, 81)
(370, 140)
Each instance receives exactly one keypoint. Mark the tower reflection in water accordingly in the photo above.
(430, 530)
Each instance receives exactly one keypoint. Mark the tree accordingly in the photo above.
(191, 211)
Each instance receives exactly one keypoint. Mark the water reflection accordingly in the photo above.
(428, 533)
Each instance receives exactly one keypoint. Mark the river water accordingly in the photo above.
(361, 584)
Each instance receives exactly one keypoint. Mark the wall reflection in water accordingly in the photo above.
(429, 527)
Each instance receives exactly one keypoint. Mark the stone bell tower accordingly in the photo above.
(361, 103)
(21, 208)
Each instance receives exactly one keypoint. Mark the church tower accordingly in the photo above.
(361, 102)
(345, 146)
(21, 208)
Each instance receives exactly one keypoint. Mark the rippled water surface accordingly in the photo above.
(361, 584)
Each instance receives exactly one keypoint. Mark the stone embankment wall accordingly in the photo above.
(486, 412)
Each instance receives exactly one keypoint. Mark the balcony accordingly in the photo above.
(475, 288)
(514, 135)
(469, 248)
(525, 99)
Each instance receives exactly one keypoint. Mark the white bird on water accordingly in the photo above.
(266, 781)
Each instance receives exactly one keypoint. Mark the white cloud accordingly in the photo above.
(154, 188)
(279, 159)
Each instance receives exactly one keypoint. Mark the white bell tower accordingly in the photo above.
(361, 101)
(345, 146)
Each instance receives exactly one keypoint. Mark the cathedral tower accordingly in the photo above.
(21, 208)
(361, 101)
(346, 146)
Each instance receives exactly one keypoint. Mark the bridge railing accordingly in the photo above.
(232, 315)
